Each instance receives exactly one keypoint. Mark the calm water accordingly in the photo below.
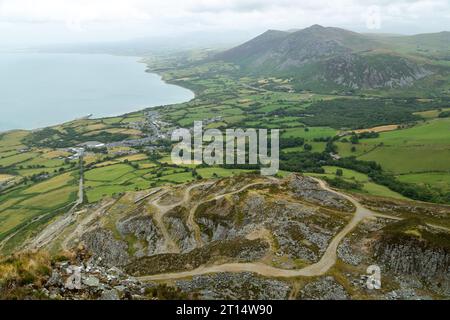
(38, 90)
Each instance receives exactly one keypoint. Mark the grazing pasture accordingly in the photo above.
(424, 147)
(309, 133)
(368, 186)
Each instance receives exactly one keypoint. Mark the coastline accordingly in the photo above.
(147, 70)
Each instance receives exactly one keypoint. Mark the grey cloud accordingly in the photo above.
(109, 18)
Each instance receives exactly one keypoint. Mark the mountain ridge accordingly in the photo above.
(328, 58)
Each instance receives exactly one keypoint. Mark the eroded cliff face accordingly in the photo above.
(411, 249)
(149, 238)
(106, 249)
(411, 256)
(179, 230)
(374, 71)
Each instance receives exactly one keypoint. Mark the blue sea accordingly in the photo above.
(39, 89)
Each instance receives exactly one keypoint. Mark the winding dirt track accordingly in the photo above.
(171, 245)
(317, 269)
(193, 226)
(326, 262)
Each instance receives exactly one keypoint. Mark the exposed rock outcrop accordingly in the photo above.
(325, 288)
(413, 257)
(309, 189)
(236, 286)
(105, 248)
(143, 228)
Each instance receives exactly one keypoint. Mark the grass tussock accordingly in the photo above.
(20, 273)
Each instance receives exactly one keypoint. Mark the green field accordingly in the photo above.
(108, 173)
(433, 132)
(219, 172)
(21, 206)
(431, 114)
(10, 219)
(12, 140)
(113, 179)
(411, 159)
(52, 184)
(51, 199)
(310, 133)
(368, 186)
(316, 147)
(17, 159)
(436, 180)
(425, 147)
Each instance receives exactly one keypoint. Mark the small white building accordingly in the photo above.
(92, 144)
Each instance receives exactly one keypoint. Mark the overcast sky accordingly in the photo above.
(31, 22)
